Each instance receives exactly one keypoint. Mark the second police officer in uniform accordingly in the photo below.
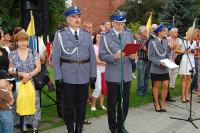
(110, 53)
(74, 65)
(158, 49)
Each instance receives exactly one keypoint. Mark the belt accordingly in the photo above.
(75, 61)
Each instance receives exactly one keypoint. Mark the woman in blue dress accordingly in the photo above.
(28, 65)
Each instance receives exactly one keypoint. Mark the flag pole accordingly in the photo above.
(173, 21)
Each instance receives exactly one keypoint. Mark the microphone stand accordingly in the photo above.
(189, 119)
(121, 83)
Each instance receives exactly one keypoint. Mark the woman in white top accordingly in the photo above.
(100, 69)
(187, 63)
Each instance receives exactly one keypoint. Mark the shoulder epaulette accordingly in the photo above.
(61, 30)
(104, 33)
(129, 30)
(86, 31)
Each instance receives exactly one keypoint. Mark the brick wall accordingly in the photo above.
(97, 11)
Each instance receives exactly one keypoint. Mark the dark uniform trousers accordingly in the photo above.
(58, 99)
(74, 103)
(114, 100)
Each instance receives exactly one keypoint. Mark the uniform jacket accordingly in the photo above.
(154, 58)
(112, 71)
(74, 73)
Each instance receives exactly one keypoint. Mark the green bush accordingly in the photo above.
(133, 26)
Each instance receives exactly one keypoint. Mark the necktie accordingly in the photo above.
(76, 35)
(119, 35)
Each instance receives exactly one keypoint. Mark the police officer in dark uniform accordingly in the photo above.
(110, 53)
(74, 65)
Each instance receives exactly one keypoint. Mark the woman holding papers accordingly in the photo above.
(187, 63)
(159, 50)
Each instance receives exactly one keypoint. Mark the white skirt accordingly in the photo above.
(185, 66)
(98, 88)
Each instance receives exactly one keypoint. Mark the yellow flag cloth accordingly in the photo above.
(31, 27)
(148, 25)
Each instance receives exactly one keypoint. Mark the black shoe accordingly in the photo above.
(170, 100)
(163, 110)
(187, 101)
(157, 110)
(183, 101)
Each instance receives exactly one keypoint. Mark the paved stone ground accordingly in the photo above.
(145, 120)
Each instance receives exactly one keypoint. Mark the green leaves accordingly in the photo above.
(184, 11)
(10, 14)
(8, 19)
(56, 16)
(140, 12)
(133, 26)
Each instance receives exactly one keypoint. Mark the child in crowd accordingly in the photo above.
(6, 101)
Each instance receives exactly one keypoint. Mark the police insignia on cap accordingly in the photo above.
(72, 11)
(119, 16)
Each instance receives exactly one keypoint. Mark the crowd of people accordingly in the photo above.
(22, 63)
(84, 59)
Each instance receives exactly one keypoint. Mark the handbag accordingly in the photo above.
(25, 102)
(42, 78)
(178, 59)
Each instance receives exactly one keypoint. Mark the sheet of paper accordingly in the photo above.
(169, 64)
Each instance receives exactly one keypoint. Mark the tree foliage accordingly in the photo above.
(133, 26)
(140, 11)
(9, 20)
(56, 14)
(11, 14)
(184, 11)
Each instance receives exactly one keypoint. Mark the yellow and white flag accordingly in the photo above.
(31, 33)
(148, 25)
